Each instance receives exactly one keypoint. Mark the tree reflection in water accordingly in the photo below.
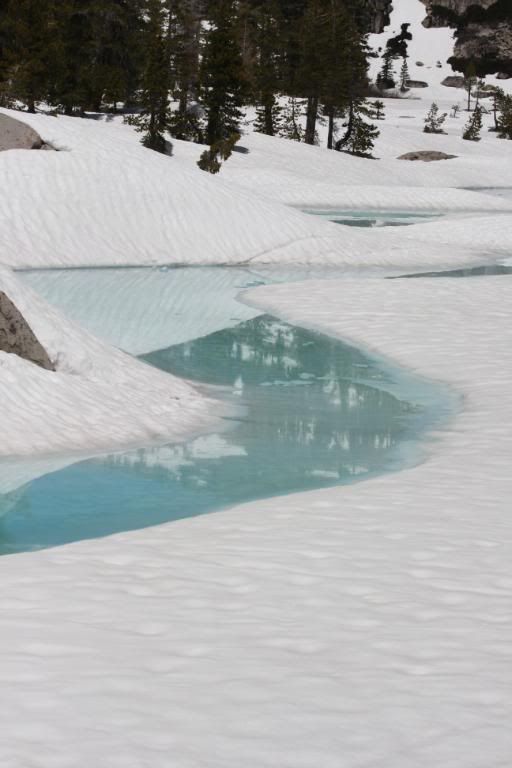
(313, 415)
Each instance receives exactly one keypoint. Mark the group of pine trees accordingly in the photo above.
(189, 67)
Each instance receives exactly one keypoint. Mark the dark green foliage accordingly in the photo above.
(153, 120)
(404, 76)
(473, 126)
(386, 76)
(504, 115)
(223, 83)
(26, 49)
(212, 158)
(360, 140)
(434, 120)
(378, 110)
(299, 62)
(470, 80)
(291, 127)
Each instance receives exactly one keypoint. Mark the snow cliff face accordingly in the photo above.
(483, 32)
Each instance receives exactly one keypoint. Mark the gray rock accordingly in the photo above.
(16, 135)
(426, 155)
(16, 336)
(416, 84)
(453, 81)
(483, 32)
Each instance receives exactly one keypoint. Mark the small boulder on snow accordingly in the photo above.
(426, 155)
(16, 336)
(453, 81)
(17, 135)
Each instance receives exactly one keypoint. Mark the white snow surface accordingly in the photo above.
(364, 626)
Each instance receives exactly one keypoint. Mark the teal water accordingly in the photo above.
(368, 219)
(487, 270)
(311, 412)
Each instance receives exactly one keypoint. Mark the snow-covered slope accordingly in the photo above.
(99, 397)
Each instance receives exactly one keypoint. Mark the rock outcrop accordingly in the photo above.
(16, 336)
(426, 155)
(377, 13)
(483, 32)
(16, 135)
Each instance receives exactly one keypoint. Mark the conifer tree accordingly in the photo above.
(211, 159)
(187, 17)
(363, 134)
(72, 55)
(473, 126)
(267, 67)
(27, 50)
(386, 76)
(291, 127)
(404, 75)
(434, 120)
(153, 120)
(378, 110)
(470, 81)
(347, 64)
(222, 78)
(504, 117)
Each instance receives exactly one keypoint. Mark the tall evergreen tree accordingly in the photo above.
(474, 126)
(222, 77)
(153, 121)
(27, 50)
(404, 75)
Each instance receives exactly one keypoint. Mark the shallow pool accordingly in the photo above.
(373, 218)
(311, 412)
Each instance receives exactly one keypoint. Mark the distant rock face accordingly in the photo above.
(378, 12)
(426, 155)
(483, 32)
(16, 336)
(16, 135)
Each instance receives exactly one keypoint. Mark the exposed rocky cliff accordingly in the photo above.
(16, 336)
(378, 14)
(483, 32)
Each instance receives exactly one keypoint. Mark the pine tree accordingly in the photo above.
(187, 17)
(211, 159)
(474, 126)
(72, 55)
(153, 120)
(378, 110)
(346, 57)
(404, 76)
(386, 76)
(470, 80)
(267, 65)
(269, 117)
(291, 127)
(26, 51)
(434, 120)
(504, 117)
(223, 83)
(363, 135)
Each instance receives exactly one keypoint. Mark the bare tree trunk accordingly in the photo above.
(330, 135)
(311, 118)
